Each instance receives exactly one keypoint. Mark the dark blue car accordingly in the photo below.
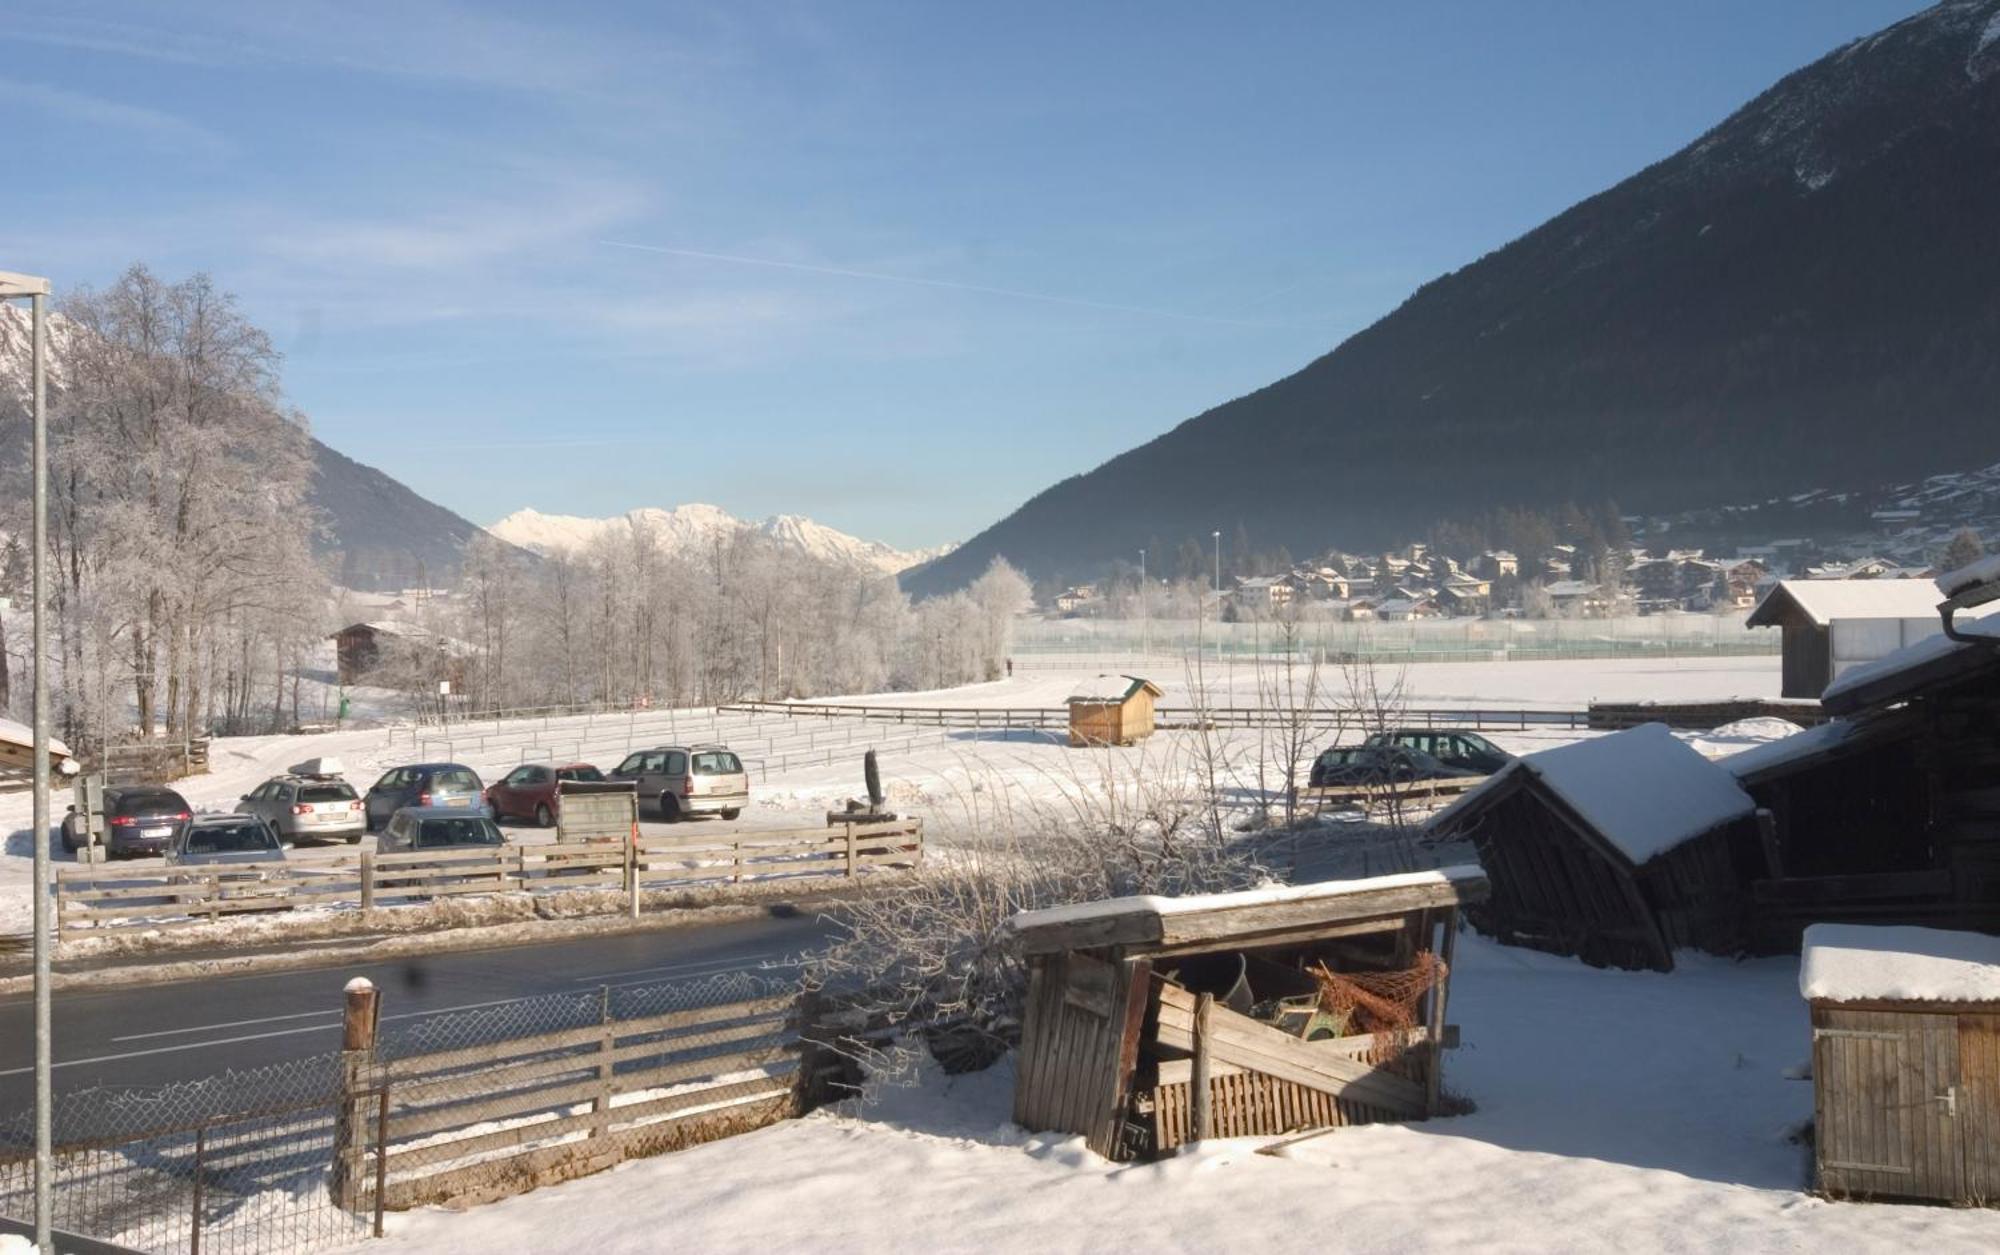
(423, 784)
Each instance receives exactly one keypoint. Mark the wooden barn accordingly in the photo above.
(1112, 710)
(1617, 850)
(1906, 1062)
(364, 648)
(1832, 625)
(1152, 1022)
(17, 757)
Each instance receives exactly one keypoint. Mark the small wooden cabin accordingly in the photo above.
(1618, 850)
(1906, 1062)
(1112, 710)
(1153, 1021)
(1832, 625)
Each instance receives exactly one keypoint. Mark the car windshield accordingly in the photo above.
(580, 773)
(230, 839)
(437, 834)
(327, 793)
(716, 763)
(455, 778)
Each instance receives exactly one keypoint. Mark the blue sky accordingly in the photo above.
(901, 265)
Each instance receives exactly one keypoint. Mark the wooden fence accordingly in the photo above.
(151, 895)
(1057, 717)
(485, 1121)
(1369, 796)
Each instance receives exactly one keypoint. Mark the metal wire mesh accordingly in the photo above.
(235, 1162)
(461, 1107)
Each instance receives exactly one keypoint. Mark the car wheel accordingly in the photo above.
(670, 808)
(355, 839)
(731, 813)
(544, 818)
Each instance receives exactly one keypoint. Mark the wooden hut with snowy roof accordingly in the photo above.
(1112, 710)
(1832, 625)
(1618, 850)
(1906, 1062)
(1155, 1021)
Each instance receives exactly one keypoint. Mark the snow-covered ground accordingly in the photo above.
(957, 779)
(1616, 1111)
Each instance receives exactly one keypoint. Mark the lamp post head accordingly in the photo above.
(13, 285)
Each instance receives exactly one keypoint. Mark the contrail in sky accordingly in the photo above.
(842, 272)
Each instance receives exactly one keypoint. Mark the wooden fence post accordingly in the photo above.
(361, 1013)
(367, 881)
(1198, 1098)
(632, 872)
(1433, 1083)
(607, 1041)
(850, 851)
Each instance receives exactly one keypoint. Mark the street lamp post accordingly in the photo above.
(1145, 612)
(13, 287)
(1218, 593)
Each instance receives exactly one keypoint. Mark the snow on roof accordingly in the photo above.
(1643, 789)
(1910, 657)
(1112, 688)
(1823, 601)
(21, 734)
(1984, 571)
(1760, 759)
(1265, 895)
(1899, 963)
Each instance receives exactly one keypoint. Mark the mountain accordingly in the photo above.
(380, 535)
(693, 525)
(375, 532)
(1806, 297)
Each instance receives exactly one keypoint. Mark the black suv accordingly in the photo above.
(1468, 752)
(143, 819)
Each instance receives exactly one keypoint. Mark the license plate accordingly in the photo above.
(156, 832)
(458, 801)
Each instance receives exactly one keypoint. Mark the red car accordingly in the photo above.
(529, 791)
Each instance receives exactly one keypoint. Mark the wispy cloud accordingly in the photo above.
(157, 126)
(953, 285)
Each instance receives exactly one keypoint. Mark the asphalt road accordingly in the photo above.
(153, 1035)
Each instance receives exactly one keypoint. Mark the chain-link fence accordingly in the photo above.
(235, 1162)
(464, 1107)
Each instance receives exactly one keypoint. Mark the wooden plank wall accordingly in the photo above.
(1883, 1127)
(1078, 1046)
(487, 1121)
(1552, 892)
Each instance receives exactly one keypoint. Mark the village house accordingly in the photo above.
(1577, 599)
(363, 649)
(1262, 594)
(1074, 599)
(1497, 564)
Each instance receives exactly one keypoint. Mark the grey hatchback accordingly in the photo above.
(421, 828)
(425, 785)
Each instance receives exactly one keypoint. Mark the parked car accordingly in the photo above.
(142, 819)
(209, 840)
(1469, 752)
(308, 808)
(529, 791)
(425, 828)
(689, 780)
(1375, 764)
(422, 784)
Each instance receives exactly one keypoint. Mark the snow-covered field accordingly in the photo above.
(956, 779)
(1616, 1111)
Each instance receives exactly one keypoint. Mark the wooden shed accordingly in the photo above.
(1618, 850)
(1832, 625)
(1151, 1021)
(1906, 1062)
(1112, 710)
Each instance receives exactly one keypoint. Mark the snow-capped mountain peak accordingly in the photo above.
(698, 523)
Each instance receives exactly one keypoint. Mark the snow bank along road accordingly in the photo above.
(153, 1035)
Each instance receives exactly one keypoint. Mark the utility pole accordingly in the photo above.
(1145, 614)
(37, 292)
(1218, 595)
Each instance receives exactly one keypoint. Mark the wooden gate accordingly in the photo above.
(1892, 1112)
